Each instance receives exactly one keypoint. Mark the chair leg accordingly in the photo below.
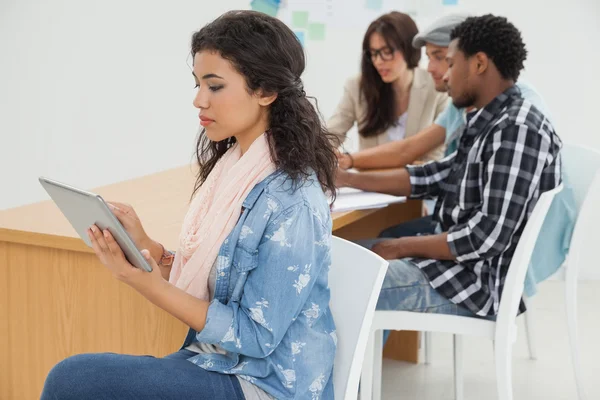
(428, 348)
(571, 308)
(458, 368)
(377, 364)
(503, 356)
(530, 330)
(366, 376)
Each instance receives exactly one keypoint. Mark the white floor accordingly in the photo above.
(550, 377)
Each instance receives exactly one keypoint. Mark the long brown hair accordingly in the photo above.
(270, 57)
(398, 30)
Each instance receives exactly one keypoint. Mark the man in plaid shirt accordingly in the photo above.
(508, 155)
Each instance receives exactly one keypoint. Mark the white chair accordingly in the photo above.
(581, 168)
(503, 331)
(355, 280)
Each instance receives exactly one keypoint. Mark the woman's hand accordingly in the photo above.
(112, 257)
(132, 224)
(344, 160)
(341, 178)
(183, 306)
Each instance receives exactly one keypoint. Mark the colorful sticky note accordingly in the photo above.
(316, 31)
(269, 7)
(300, 19)
(450, 2)
(300, 36)
(374, 4)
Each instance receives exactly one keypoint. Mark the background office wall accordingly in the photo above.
(96, 92)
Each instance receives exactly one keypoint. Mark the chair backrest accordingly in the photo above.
(580, 166)
(515, 278)
(355, 280)
(581, 172)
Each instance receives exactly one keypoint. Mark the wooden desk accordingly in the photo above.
(57, 300)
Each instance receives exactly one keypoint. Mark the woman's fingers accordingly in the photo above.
(113, 246)
(101, 242)
(121, 207)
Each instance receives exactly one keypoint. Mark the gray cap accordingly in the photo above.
(438, 33)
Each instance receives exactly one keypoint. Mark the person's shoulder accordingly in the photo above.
(451, 112)
(421, 77)
(530, 93)
(423, 82)
(296, 194)
(527, 89)
(523, 116)
(352, 84)
(523, 113)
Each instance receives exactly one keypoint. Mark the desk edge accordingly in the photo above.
(43, 240)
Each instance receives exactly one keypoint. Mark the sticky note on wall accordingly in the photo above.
(316, 31)
(269, 7)
(374, 4)
(300, 19)
(300, 36)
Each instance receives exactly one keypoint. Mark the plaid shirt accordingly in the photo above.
(508, 155)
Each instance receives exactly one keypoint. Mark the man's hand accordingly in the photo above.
(425, 246)
(392, 249)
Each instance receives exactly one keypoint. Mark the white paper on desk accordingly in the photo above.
(349, 199)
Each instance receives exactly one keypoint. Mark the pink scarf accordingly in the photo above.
(214, 212)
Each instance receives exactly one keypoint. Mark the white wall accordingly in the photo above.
(96, 92)
(562, 64)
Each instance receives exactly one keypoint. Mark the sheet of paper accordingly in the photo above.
(353, 199)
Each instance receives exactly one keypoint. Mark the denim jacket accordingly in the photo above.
(270, 311)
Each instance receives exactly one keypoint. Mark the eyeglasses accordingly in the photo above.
(386, 54)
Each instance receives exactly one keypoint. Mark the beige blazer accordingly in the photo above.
(425, 104)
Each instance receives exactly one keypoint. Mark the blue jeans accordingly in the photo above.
(406, 287)
(119, 376)
(415, 227)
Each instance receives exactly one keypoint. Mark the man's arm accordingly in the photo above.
(417, 181)
(511, 171)
(434, 247)
(395, 182)
(400, 152)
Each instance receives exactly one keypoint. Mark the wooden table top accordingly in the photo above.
(161, 201)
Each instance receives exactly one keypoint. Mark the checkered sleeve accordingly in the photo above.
(425, 179)
(511, 168)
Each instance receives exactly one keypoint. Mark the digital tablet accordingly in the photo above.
(84, 209)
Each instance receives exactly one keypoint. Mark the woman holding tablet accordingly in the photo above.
(250, 276)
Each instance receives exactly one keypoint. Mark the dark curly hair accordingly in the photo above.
(398, 30)
(270, 57)
(496, 37)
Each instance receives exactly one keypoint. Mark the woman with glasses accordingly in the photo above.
(392, 98)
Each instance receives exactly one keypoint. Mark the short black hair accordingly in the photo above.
(497, 38)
